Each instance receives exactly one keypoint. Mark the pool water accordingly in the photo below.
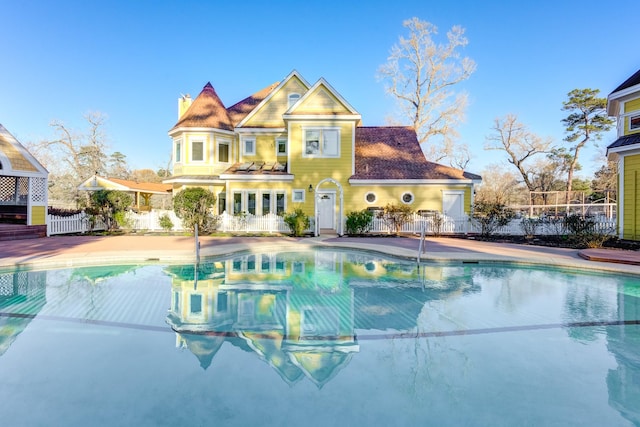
(323, 337)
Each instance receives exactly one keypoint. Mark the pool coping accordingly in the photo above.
(71, 251)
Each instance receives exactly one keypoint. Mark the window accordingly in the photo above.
(370, 197)
(237, 203)
(266, 203)
(196, 304)
(322, 143)
(293, 98)
(223, 152)
(280, 203)
(634, 122)
(223, 302)
(297, 196)
(281, 147)
(177, 157)
(176, 302)
(249, 147)
(197, 151)
(407, 198)
(251, 203)
(222, 202)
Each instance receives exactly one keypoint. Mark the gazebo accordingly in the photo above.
(23, 184)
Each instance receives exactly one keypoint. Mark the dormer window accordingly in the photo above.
(293, 98)
(634, 122)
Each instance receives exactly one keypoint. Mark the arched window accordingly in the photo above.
(293, 98)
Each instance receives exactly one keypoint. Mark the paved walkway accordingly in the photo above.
(67, 251)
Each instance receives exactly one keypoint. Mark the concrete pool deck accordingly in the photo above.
(69, 251)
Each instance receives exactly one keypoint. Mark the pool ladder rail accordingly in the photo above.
(421, 246)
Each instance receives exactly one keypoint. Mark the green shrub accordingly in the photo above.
(491, 216)
(359, 222)
(395, 216)
(193, 206)
(530, 226)
(166, 223)
(297, 221)
(110, 206)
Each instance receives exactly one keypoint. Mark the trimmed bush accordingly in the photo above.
(297, 221)
(359, 222)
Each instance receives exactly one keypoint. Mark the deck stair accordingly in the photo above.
(20, 231)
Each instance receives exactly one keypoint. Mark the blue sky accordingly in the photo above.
(132, 59)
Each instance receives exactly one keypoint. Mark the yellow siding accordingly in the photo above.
(270, 114)
(322, 102)
(310, 171)
(38, 215)
(631, 226)
(630, 107)
(209, 165)
(425, 197)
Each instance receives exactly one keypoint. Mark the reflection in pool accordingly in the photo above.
(316, 338)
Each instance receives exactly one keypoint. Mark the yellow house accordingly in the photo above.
(23, 184)
(298, 145)
(624, 104)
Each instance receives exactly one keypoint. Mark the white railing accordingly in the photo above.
(271, 223)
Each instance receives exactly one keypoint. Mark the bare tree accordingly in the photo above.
(420, 74)
(520, 144)
(73, 156)
(500, 186)
(587, 120)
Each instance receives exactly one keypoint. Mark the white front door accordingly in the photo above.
(452, 203)
(327, 210)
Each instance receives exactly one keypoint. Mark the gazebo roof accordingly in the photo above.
(15, 159)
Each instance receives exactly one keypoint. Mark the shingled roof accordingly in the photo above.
(240, 110)
(625, 141)
(206, 111)
(393, 152)
(631, 81)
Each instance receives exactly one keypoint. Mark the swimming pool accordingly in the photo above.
(319, 337)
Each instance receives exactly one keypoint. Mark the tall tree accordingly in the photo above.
(421, 74)
(118, 167)
(587, 120)
(520, 144)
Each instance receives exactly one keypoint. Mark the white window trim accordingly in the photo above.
(286, 146)
(413, 198)
(244, 147)
(295, 95)
(321, 129)
(293, 195)
(204, 150)
(217, 152)
(632, 116)
(177, 149)
(374, 195)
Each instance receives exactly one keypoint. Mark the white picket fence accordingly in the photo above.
(78, 223)
(271, 223)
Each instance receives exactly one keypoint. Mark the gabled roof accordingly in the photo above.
(393, 152)
(631, 81)
(274, 89)
(240, 110)
(15, 159)
(313, 91)
(628, 89)
(206, 111)
(99, 183)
